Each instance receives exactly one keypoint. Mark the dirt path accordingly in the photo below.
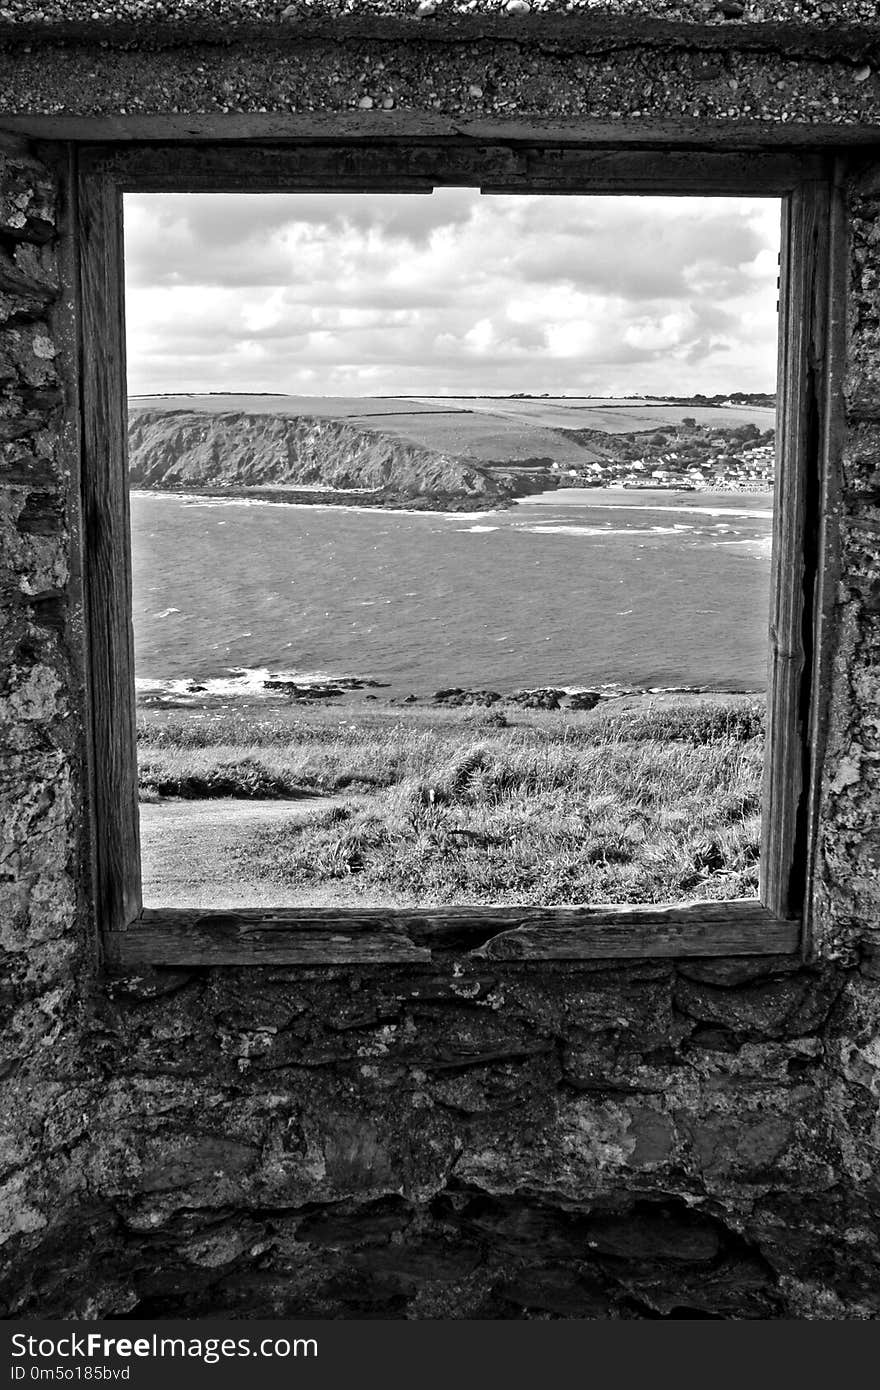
(191, 851)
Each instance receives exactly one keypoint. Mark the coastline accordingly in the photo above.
(279, 699)
(352, 500)
(349, 502)
(458, 507)
(347, 677)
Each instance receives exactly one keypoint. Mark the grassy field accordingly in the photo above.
(486, 429)
(631, 802)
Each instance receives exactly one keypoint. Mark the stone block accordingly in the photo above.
(786, 1007)
(27, 200)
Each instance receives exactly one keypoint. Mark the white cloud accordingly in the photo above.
(663, 331)
(355, 293)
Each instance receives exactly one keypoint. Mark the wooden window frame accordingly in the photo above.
(812, 266)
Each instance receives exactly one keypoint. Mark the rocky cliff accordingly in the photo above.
(170, 450)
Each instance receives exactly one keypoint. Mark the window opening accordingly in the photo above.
(451, 527)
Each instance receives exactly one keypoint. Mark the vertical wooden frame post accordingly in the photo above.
(828, 556)
(803, 429)
(107, 546)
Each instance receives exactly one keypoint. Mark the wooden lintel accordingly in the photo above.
(494, 163)
(371, 126)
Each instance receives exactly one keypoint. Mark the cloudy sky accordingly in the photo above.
(450, 293)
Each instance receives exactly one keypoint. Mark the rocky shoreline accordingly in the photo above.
(542, 697)
(292, 693)
(304, 497)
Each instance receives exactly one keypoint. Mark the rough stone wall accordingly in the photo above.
(392, 66)
(848, 908)
(652, 1139)
(43, 928)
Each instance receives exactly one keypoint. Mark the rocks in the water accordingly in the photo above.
(453, 696)
(303, 692)
(456, 695)
(322, 690)
(538, 699)
(542, 697)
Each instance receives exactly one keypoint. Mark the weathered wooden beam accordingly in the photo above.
(805, 266)
(828, 540)
(671, 939)
(368, 127)
(496, 164)
(327, 936)
(106, 558)
(232, 945)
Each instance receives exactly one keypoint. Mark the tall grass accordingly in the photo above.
(638, 804)
(625, 823)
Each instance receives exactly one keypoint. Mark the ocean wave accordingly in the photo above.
(212, 503)
(200, 500)
(468, 529)
(762, 544)
(166, 612)
(562, 530)
(197, 499)
(762, 514)
(481, 515)
(569, 530)
(239, 681)
(370, 511)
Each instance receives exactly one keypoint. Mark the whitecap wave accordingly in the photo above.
(481, 515)
(569, 530)
(211, 503)
(565, 530)
(762, 514)
(762, 544)
(238, 682)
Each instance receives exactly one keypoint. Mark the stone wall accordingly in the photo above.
(45, 934)
(650, 1139)
(438, 66)
(848, 908)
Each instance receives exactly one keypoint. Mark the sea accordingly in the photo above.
(611, 589)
